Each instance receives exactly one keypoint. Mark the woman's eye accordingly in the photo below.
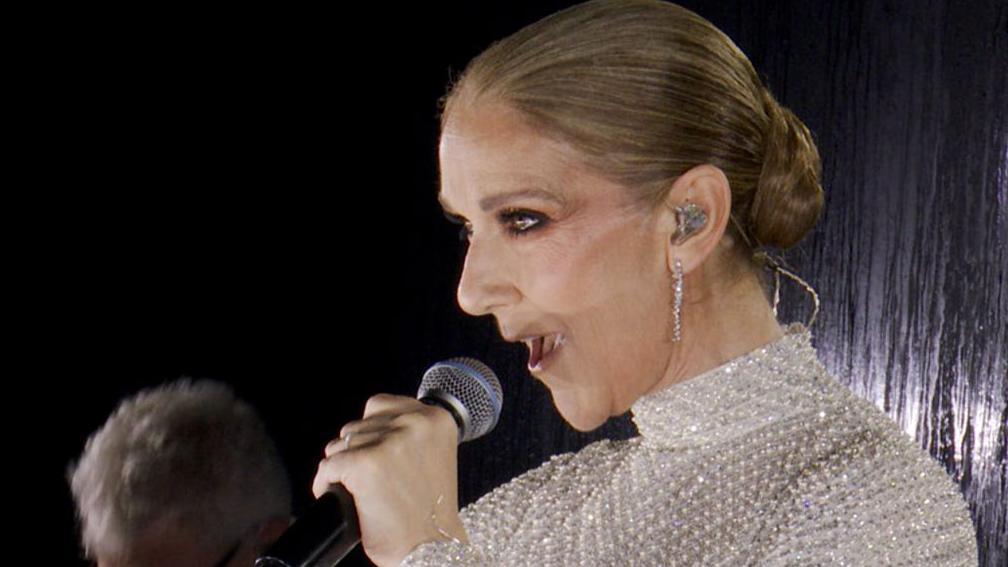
(520, 223)
(515, 222)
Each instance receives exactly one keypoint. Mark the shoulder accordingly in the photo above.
(863, 488)
(593, 459)
(868, 449)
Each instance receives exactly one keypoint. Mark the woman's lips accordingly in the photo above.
(543, 351)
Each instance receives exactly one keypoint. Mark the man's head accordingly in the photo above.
(181, 474)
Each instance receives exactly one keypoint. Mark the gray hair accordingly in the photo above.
(189, 453)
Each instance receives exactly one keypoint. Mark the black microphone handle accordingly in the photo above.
(322, 537)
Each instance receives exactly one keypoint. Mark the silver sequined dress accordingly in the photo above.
(764, 460)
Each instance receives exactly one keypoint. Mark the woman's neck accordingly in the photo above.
(718, 327)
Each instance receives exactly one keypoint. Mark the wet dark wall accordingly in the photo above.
(250, 196)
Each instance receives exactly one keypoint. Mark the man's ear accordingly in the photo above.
(272, 530)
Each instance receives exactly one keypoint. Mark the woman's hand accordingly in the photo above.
(397, 462)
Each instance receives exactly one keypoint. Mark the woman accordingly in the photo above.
(619, 169)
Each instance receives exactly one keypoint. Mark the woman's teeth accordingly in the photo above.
(548, 344)
(541, 347)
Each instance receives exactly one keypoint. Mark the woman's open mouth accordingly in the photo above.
(542, 351)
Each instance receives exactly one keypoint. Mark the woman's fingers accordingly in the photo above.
(388, 403)
(356, 439)
(338, 464)
(382, 413)
(326, 475)
(373, 423)
(398, 462)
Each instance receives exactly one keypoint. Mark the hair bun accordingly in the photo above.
(789, 197)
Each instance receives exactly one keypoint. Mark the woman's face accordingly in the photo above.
(573, 259)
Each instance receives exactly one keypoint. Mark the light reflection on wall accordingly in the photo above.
(911, 265)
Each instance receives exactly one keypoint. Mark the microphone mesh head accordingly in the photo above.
(471, 384)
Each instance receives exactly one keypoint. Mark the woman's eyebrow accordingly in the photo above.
(497, 199)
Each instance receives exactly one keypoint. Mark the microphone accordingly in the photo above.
(329, 530)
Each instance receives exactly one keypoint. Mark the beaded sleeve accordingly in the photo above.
(878, 508)
(489, 522)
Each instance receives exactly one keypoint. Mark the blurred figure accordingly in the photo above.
(181, 474)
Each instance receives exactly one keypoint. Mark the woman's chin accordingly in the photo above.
(575, 413)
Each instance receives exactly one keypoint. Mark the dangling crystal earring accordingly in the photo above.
(677, 306)
(690, 218)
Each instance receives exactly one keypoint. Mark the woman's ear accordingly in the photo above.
(695, 216)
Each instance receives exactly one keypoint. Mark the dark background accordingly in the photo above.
(250, 196)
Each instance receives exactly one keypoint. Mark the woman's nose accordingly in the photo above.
(485, 283)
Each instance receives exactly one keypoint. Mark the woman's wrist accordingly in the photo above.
(448, 528)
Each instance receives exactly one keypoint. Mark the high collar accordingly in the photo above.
(740, 395)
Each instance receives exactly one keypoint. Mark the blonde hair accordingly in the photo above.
(646, 90)
(189, 453)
